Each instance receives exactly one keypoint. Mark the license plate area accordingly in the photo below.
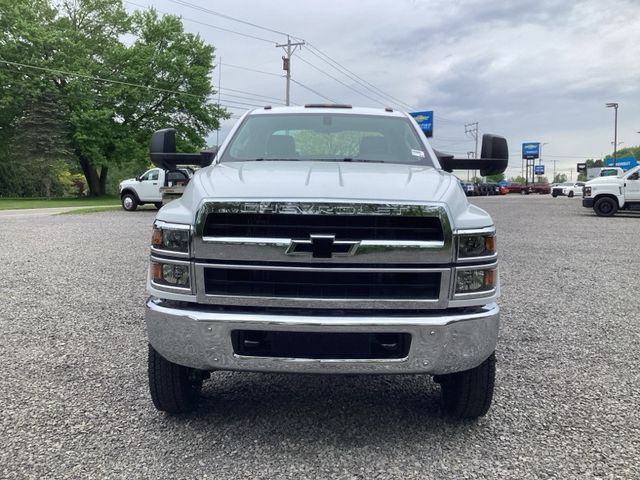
(321, 345)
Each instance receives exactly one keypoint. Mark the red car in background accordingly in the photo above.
(541, 188)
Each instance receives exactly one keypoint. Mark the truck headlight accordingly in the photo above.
(170, 274)
(174, 238)
(476, 245)
(586, 191)
(472, 281)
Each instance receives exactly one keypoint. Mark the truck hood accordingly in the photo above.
(611, 180)
(324, 180)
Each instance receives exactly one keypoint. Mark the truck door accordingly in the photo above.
(632, 187)
(149, 187)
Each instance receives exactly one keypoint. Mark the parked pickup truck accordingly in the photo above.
(568, 189)
(325, 239)
(608, 194)
(152, 186)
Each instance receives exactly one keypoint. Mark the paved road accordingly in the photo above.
(74, 393)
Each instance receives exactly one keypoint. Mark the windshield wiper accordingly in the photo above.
(276, 159)
(360, 160)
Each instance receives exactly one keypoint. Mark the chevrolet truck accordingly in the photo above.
(324, 239)
(608, 194)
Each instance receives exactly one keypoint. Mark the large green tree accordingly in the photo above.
(114, 92)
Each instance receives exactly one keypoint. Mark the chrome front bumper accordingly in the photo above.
(440, 343)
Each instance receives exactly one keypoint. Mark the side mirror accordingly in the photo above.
(163, 141)
(162, 150)
(138, 178)
(494, 157)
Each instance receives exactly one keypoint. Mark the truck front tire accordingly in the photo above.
(173, 388)
(468, 394)
(570, 194)
(605, 207)
(129, 202)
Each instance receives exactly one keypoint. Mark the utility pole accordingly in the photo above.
(554, 171)
(472, 128)
(614, 105)
(219, 86)
(286, 62)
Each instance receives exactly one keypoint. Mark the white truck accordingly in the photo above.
(324, 239)
(608, 194)
(156, 186)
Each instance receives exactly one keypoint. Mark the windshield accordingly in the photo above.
(327, 137)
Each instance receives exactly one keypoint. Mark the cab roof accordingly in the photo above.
(329, 108)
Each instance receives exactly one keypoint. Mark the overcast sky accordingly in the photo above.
(531, 70)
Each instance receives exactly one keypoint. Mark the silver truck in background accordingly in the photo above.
(325, 239)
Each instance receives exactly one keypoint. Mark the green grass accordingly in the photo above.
(82, 211)
(21, 203)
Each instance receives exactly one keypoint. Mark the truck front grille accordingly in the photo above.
(344, 227)
(321, 284)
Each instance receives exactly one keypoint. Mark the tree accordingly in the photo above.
(41, 143)
(518, 179)
(495, 178)
(560, 178)
(162, 78)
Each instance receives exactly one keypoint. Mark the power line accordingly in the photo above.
(100, 79)
(118, 82)
(313, 91)
(314, 50)
(205, 24)
(227, 17)
(253, 70)
(245, 92)
(241, 97)
(339, 81)
(368, 85)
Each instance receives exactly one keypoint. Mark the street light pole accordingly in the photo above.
(615, 130)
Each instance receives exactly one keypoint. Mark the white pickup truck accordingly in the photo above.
(151, 187)
(324, 239)
(608, 194)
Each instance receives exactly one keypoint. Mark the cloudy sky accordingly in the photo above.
(531, 70)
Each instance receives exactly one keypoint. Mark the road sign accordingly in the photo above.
(425, 120)
(581, 168)
(531, 150)
(538, 169)
(625, 163)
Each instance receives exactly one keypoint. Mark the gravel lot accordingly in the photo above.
(74, 392)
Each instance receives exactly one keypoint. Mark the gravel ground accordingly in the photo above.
(74, 390)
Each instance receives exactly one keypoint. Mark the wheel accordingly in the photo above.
(173, 388)
(129, 202)
(605, 207)
(158, 205)
(468, 394)
(570, 194)
(522, 192)
(554, 195)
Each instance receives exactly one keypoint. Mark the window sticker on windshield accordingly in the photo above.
(417, 153)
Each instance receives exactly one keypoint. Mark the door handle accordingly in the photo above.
(155, 183)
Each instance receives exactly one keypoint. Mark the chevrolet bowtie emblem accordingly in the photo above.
(322, 246)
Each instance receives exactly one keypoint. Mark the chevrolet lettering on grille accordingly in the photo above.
(322, 246)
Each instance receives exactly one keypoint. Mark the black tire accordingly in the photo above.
(605, 207)
(129, 202)
(570, 194)
(468, 394)
(554, 195)
(173, 388)
(158, 205)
